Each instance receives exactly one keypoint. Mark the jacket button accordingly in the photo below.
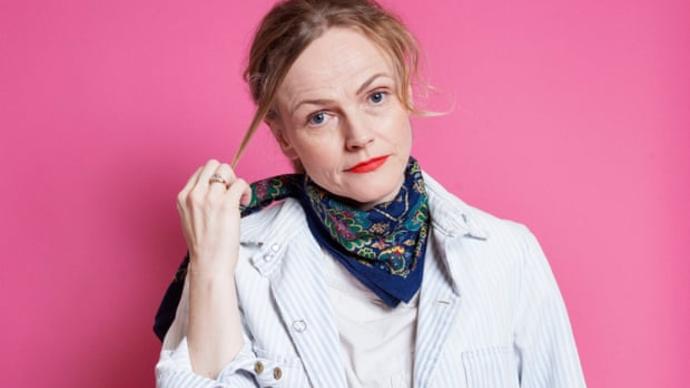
(258, 367)
(277, 373)
(268, 257)
(299, 326)
(275, 247)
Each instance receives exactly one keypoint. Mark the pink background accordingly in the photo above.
(571, 117)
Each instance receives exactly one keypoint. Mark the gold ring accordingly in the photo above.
(217, 178)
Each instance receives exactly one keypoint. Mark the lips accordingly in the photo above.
(369, 165)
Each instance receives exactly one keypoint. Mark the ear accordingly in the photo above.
(278, 131)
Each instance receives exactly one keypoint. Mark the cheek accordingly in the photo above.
(321, 151)
(399, 128)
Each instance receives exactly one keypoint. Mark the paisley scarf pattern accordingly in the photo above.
(383, 247)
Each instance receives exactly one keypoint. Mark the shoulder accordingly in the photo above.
(256, 226)
(493, 247)
(498, 247)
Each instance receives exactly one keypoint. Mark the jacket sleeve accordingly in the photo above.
(174, 368)
(543, 337)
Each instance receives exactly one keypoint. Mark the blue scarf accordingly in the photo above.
(383, 247)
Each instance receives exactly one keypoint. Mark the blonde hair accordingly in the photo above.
(291, 25)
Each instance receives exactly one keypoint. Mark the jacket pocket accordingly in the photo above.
(278, 370)
(491, 367)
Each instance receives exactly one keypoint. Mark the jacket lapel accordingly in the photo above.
(299, 288)
(438, 308)
(440, 299)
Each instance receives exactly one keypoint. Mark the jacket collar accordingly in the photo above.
(445, 208)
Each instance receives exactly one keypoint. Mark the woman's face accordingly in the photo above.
(337, 107)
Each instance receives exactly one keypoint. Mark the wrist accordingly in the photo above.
(219, 272)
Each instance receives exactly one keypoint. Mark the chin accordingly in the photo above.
(375, 193)
(378, 185)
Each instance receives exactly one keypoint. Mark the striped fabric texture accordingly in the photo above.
(490, 314)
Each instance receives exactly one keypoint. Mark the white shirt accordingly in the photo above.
(377, 341)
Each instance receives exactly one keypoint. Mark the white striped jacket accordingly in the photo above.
(490, 314)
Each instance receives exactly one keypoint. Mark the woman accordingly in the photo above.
(368, 273)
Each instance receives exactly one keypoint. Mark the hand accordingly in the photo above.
(210, 218)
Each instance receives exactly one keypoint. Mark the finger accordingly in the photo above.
(188, 186)
(246, 195)
(205, 174)
(236, 190)
(226, 173)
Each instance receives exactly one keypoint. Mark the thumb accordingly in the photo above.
(246, 198)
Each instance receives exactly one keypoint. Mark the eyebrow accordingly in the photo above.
(322, 101)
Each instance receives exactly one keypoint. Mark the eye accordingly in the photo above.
(377, 97)
(317, 119)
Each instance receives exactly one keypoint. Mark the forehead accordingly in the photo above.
(340, 58)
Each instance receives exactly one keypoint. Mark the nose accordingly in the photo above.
(358, 133)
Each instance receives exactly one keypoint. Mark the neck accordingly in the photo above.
(389, 197)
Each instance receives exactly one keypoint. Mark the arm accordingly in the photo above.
(543, 335)
(174, 367)
(215, 334)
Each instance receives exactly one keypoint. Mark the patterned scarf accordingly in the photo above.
(383, 247)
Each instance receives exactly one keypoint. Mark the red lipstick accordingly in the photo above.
(369, 165)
